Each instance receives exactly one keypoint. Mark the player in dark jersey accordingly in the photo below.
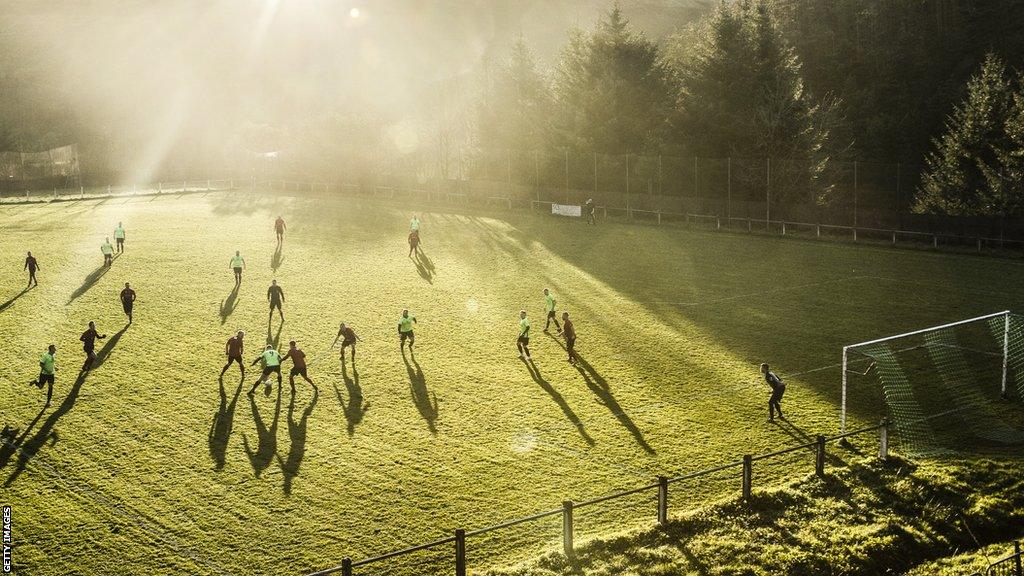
(523, 342)
(276, 297)
(279, 227)
(349, 338)
(88, 339)
(233, 349)
(298, 358)
(128, 301)
(31, 264)
(569, 332)
(778, 389)
(588, 208)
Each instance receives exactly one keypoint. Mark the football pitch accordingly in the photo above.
(148, 464)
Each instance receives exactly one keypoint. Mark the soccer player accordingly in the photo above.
(778, 389)
(549, 305)
(405, 330)
(233, 350)
(271, 365)
(298, 365)
(128, 300)
(46, 371)
(88, 339)
(108, 252)
(279, 227)
(569, 332)
(523, 343)
(589, 209)
(414, 224)
(119, 237)
(237, 264)
(276, 297)
(414, 241)
(31, 264)
(349, 339)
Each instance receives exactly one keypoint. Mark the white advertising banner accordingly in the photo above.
(566, 210)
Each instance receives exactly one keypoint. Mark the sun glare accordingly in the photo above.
(354, 13)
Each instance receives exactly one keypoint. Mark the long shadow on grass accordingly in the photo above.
(558, 398)
(275, 338)
(599, 386)
(46, 434)
(227, 305)
(266, 437)
(14, 298)
(223, 422)
(425, 400)
(297, 435)
(423, 271)
(278, 257)
(89, 282)
(355, 409)
(108, 348)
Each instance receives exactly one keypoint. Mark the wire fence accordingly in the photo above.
(655, 494)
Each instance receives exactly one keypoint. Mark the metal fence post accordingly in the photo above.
(460, 552)
(768, 194)
(728, 188)
(748, 465)
(662, 500)
(819, 455)
(346, 567)
(883, 440)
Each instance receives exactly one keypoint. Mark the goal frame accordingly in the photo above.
(1006, 346)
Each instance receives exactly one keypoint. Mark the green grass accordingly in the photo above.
(121, 474)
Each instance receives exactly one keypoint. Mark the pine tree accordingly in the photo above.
(613, 92)
(514, 108)
(977, 165)
(743, 96)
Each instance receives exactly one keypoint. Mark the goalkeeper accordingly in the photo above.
(778, 389)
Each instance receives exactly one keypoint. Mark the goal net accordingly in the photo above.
(945, 389)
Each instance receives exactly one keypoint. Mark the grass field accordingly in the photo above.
(149, 465)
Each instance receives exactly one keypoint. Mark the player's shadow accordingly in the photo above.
(14, 298)
(421, 269)
(558, 398)
(88, 283)
(11, 440)
(227, 305)
(424, 399)
(354, 409)
(599, 386)
(108, 348)
(27, 449)
(223, 422)
(426, 262)
(297, 435)
(274, 338)
(266, 437)
(277, 258)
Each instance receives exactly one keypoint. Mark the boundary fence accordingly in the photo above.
(661, 485)
(454, 194)
(1008, 566)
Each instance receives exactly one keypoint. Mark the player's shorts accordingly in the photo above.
(347, 342)
(127, 305)
(569, 343)
(236, 359)
(296, 371)
(524, 340)
(777, 394)
(45, 379)
(120, 240)
(404, 335)
(275, 304)
(551, 314)
(237, 270)
(267, 371)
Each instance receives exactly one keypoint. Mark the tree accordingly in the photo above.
(613, 92)
(513, 110)
(743, 95)
(977, 167)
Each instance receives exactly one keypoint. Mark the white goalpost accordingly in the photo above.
(1005, 315)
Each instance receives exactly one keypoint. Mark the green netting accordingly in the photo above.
(942, 388)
